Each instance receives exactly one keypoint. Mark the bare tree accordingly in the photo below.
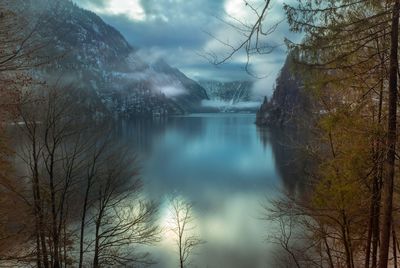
(285, 237)
(55, 152)
(183, 227)
(120, 219)
(388, 185)
(253, 35)
(51, 150)
(94, 161)
(19, 48)
(67, 162)
(286, 219)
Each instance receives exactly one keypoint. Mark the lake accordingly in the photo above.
(228, 168)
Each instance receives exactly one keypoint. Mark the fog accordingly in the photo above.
(220, 104)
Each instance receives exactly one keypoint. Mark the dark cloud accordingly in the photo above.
(158, 33)
(192, 12)
(176, 30)
(99, 3)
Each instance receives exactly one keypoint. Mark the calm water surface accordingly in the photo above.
(227, 168)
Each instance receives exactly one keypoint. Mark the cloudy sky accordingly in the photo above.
(182, 31)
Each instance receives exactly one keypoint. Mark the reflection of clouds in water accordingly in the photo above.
(220, 164)
(165, 252)
(167, 224)
(235, 234)
(231, 220)
(233, 231)
(167, 249)
(168, 221)
(205, 159)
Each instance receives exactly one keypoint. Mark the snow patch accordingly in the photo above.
(220, 104)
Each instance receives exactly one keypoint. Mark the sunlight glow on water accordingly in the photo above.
(219, 163)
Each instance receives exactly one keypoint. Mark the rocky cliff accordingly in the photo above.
(290, 104)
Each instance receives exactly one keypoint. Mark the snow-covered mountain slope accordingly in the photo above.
(229, 96)
(234, 91)
(95, 58)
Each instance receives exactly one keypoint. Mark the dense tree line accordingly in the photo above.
(349, 63)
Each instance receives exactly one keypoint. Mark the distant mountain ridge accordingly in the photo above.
(234, 91)
(230, 96)
(104, 66)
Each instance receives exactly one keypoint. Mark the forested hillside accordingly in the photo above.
(343, 87)
(92, 56)
(291, 104)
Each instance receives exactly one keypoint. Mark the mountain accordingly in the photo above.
(95, 58)
(229, 96)
(290, 104)
(195, 93)
(234, 91)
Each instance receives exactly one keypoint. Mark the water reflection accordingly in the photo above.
(226, 167)
(292, 160)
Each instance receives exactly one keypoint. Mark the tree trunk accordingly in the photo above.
(83, 219)
(37, 204)
(38, 250)
(347, 241)
(56, 245)
(391, 141)
(377, 186)
(180, 250)
(96, 247)
(97, 239)
(375, 225)
(369, 237)
(328, 252)
(394, 247)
